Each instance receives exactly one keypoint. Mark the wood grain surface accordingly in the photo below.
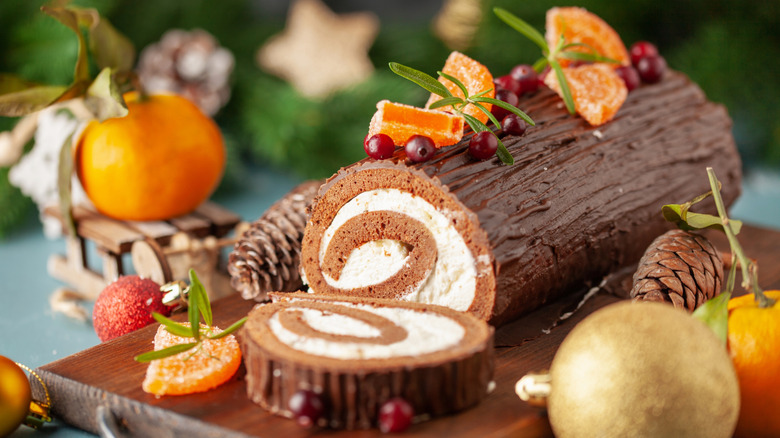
(106, 375)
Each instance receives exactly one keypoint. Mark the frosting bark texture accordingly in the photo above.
(578, 203)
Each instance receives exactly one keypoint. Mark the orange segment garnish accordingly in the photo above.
(197, 370)
(597, 91)
(475, 76)
(580, 26)
(401, 121)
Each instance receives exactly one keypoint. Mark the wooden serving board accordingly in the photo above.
(105, 378)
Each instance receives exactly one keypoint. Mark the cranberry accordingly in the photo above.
(513, 125)
(483, 145)
(642, 49)
(507, 82)
(307, 407)
(379, 146)
(395, 415)
(419, 148)
(651, 68)
(629, 75)
(527, 77)
(504, 96)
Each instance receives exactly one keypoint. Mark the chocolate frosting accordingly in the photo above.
(582, 201)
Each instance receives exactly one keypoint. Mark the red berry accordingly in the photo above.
(307, 407)
(126, 305)
(504, 96)
(640, 50)
(542, 75)
(379, 146)
(513, 125)
(419, 148)
(651, 69)
(527, 77)
(629, 75)
(483, 145)
(507, 82)
(395, 415)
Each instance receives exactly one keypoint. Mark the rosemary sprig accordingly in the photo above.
(551, 57)
(198, 307)
(459, 104)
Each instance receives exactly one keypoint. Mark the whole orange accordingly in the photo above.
(163, 159)
(754, 346)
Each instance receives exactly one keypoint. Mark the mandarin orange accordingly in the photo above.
(754, 346)
(401, 122)
(160, 161)
(475, 76)
(200, 369)
(597, 90)
(577, 25)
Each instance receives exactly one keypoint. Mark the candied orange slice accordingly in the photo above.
(580, 26)
(597, 90)
(196, 370)
(401, 121)
(475, 76)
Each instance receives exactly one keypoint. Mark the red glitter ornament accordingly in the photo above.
(126, 305)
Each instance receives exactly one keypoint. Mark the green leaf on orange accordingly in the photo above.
(103, 97)
(715, 314)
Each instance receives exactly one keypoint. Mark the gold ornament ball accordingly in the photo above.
(642, 369)
(15, 396)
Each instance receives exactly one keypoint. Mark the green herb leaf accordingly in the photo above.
(236, 325)
(481, 93)
(587, 57)
(422, 79)
(165, 352)
(540, 64)
(487, 112)
(198, 292)
(503, 154)
(522, 27)
(689, 221)
(564, 84)
(193, 313)
(455, 81)
(172, 326)
(447, 101)
(475, 124)
(64, 174)
(509, 107)
(715, 314)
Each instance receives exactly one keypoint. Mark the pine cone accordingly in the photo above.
(191, 64)
(681, 268)
(267, 255)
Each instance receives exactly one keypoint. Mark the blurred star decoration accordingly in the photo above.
(191, 64)
(320, 52)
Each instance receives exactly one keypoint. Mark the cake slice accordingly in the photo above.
(359, 353)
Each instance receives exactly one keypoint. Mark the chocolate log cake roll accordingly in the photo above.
(497, 240)
(357, 354)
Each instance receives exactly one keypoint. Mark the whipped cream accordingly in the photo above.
(451, 283)
(427, 333)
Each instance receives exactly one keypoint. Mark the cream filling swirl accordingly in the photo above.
(451, 283)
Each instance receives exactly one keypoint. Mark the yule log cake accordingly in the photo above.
(359, 353)
(500, 240)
